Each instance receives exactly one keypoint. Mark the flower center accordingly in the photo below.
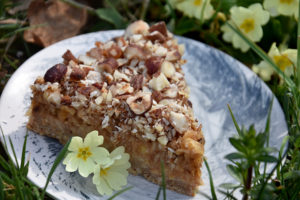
(84, 153)
(247, 25)
(103, 172)
(286, 1)
(282, 61)
(197, 2)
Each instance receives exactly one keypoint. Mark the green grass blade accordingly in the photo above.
(212, 187)
(23, 153)
(6, 178)
(158, 193)
(17, 181)
(1, 189)
(4, 164)
(234, 120)
(14, 152)
(163, 181)
(58, 159)
(4, 140)
(262, 54)
(120, 192)
(298, 52)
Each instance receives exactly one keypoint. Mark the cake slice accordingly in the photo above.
(132, 90)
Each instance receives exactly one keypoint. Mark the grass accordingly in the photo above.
(280, 183)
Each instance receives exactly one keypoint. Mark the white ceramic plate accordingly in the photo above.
(215, 79)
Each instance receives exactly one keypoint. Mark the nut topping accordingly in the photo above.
(173, 55)
(66, 100)
(55, 73)
(109, 65)
(179, 122)
(114, 51)
(158, 83)
(168, 69)
(96, 53)
(137, 81)
(69, 56)
(134, 51)
(136, 27)
(160, 27)
(156, 36)
(140, 103)
(77, 74)
(153, 64)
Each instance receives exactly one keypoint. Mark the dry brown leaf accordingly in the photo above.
(54, 21)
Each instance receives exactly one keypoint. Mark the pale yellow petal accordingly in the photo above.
(69, 157)
(100, 155)
(76, 142)
(261, 16)
(93, 139)
(115, 180)
(72, 164)
(103, 188)
(85, 168)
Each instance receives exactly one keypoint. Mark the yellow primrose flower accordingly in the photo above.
(193, 8)
(112, 175)
(84, 155)
(283, 7)
(249, 21)
(285, 60)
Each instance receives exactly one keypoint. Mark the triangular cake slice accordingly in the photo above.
(132, 90)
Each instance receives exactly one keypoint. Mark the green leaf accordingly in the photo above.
(23, 154)
(266, 158)
(112, 16)
(14, 152)
(234, 121)
(120, 192)
(1, 189)
(234, 172)
(267, 128)
(292, 175)
(58, 159)
(212, 187)
(237, 144)
(234, 156)
(4, 164)
(229, 186)
(184, 25)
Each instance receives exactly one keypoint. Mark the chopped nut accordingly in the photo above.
(87, 60)
(93, 77)
(98, 86)
(163, 140)
(181, 49)
(157, 96)
(66, 100)
(160, 27)
(121, 88)
(114, 51)
(179, 122)
(156, 36)
(109, 65)
(159, 83)
(173, 55)
(134, 51)
(137, 81)
(136, 27)
(55, 73)
(153, 64)
(77, 74)
(85, 90)
(99, 100)
(120, 76)
(168, 69)
(140, 103)
(161, 51)
(69, 56)
(96, 53)
(171, 92)
(120, 41)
